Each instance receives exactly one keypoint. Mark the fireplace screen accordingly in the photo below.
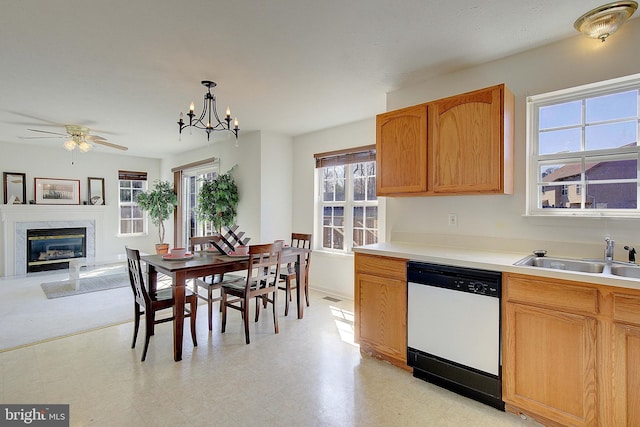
(52, 248)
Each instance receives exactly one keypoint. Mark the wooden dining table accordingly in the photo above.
(206, 263)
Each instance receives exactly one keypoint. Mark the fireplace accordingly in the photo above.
(52, 248)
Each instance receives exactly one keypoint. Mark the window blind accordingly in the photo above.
(345, 157)
(126, 175)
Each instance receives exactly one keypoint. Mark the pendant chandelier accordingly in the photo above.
(210, 114)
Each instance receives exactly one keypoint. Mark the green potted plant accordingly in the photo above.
(160, 203)
(218, 201)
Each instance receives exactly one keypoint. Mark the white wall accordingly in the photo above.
(483, 221)
(572, 62)
(55, 162)
(330, 272)
(262, 173)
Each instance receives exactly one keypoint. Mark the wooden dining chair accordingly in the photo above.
(208, 283)
(288, 272)
(148, 304)
(260, 283)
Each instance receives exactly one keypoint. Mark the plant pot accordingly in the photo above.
(162, 248)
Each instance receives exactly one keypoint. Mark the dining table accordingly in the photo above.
(206, 263)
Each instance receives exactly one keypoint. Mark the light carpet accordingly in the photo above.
(67, 288)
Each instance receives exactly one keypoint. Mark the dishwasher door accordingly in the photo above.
(457, 326)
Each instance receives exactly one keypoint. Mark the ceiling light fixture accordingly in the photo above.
(209, 111)
(605, 20)
(77, 140)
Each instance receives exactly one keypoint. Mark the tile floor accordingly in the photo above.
(310, 374)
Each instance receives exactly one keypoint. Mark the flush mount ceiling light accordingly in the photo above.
(209, 111)
(605, 20)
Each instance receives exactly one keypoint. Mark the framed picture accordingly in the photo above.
(15, 188)
(53, 191)
(95, 191)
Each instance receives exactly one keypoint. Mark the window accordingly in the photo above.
(582, 146)
(131, 217)
(348, 211)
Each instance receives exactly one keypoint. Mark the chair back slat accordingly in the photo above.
(136, 278)
(264, 265)
(201, 242)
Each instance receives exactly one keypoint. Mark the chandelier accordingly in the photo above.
(210, 114)
(605, 20)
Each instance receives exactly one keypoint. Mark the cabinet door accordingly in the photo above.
(626, 375)
(549, 364)
(466, 136)
(382, 316)
(401, 151)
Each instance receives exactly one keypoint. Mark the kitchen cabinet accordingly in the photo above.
(571, 351)
(457, 145)
(401, 151)
(626, 355)
(550, 342)
(381, 307)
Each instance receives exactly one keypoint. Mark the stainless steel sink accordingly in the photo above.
(631, 271)
(564, 264)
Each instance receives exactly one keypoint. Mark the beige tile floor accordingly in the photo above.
(310, 374)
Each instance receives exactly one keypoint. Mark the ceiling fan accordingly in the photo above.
(79, 138)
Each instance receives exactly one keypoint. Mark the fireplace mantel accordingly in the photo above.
(14, 218)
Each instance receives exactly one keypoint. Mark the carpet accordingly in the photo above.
(89, 284)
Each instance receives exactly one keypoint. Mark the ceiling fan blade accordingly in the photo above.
(108, 144)
(46, 131)
(41, 137)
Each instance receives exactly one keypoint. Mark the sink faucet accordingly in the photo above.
(608, 250)
(632, 254)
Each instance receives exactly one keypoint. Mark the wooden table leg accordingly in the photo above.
(178, 313)
(300, 284)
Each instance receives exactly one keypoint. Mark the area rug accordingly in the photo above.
(90, 284)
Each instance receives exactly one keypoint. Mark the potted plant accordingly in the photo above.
(218, 201)
(160, 203)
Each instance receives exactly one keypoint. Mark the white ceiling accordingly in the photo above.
(126, 68)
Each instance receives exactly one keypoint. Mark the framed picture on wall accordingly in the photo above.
(15, 188)
(95, 190)
(53, 191)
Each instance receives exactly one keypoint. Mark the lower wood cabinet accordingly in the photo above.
(571, 352)
(381, 307)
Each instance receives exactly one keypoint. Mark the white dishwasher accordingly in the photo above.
(453, 329)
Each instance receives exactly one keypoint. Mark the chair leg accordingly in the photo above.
(136, 323)
(259, 301)
(194, 309)
(306, 291)
(149, 317)
(223, 306)
(287, 296)
(210, 303)
(275, 304)
(246, 318)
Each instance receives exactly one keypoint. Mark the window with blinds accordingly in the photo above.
(348, 207)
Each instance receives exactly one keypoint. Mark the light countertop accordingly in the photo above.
(487, 260)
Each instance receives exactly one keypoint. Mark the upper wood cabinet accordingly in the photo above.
(468, 148)
(401, 151)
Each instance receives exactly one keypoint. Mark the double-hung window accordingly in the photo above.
(348, 213)
(583, 150)
(131, 218)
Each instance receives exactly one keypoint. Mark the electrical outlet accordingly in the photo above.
(452, 220)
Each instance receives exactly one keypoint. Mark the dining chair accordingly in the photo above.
(288, 273)
(209, 283)
(149, 303)
(261, 281)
